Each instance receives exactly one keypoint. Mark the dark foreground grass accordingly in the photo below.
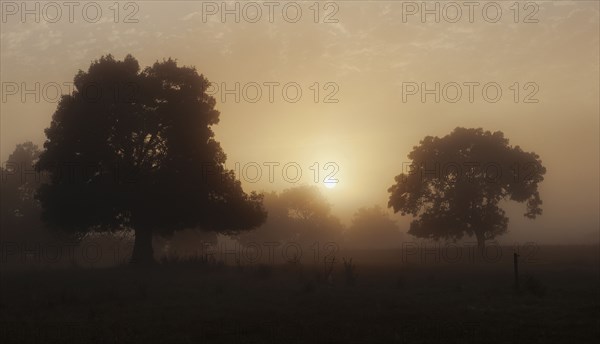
(213, 303)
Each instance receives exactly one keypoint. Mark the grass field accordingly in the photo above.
(381, 301)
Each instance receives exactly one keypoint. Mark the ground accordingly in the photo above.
(391, 302)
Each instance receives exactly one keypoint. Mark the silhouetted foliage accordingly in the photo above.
(133, 148)
(20, 211)
(301, 215)
(372, 228)
(456, 182)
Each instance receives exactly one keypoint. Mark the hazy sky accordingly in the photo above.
(359, 53)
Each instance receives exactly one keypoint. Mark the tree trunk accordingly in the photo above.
(143, 254)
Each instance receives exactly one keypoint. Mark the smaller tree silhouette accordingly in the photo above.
(372, 228)
(456, 182)
(19, 211)
(300, 214)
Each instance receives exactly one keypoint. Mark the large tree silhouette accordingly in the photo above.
(135, 149)
(455, 183)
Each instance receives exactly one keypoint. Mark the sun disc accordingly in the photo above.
(330, 184)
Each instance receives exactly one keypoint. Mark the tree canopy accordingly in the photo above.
(455, 183)
(132, 148)
(300, 214)
(20, 212)
(372, 228)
